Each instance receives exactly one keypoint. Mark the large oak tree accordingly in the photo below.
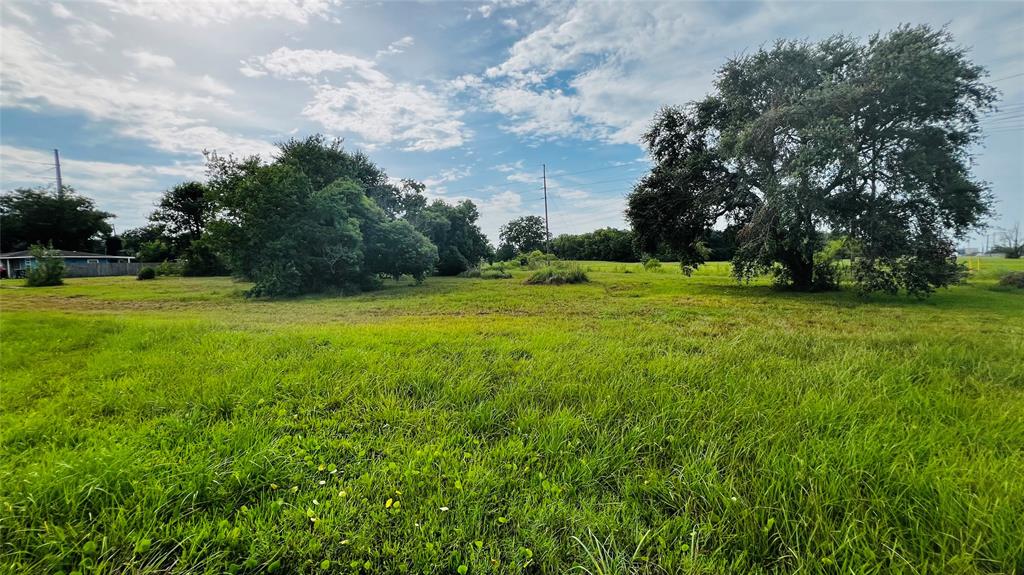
(865, 141)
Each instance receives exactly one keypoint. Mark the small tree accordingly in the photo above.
(396, 249)
(453, 229)
(1011, 242)
(521, 235)
(48, 269)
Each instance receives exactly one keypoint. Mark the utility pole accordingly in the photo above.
(56, 162)
(547, 227)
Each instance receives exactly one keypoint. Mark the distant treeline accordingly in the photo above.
(614, 245)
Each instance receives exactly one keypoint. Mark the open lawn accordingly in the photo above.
(643, 422)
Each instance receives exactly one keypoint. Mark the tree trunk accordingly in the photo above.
(801, 272)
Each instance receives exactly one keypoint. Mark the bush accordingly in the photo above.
(48, 269)
(557, 275)
(146, 273)
(200, 260)
(168, 269)
(652, 265)
(1012, 280)
(537, 259)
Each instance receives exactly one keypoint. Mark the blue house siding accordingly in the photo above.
(77, 264)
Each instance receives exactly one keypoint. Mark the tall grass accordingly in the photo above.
(638, 423)
(562, 273)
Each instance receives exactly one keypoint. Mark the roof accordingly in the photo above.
(25, 254)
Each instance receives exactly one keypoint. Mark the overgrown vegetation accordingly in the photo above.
(488, 272)
(307, 222)
(47, 269)
(1013, 280)
(453, 229)
(146, 273)
(558, 274)
(639, 421)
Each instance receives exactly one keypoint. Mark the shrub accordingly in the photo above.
(494, 272)
(168, 269)
(146, 273)
(652, 265)
(48, 269)
(1013, 280)
(537, 259)
(557, 275)
(200, 260)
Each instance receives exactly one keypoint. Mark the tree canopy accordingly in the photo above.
(521, 235)
(67, 221)
(867, 141)
(291, 233)
(183, 210)
(606, 244)
(453, 229)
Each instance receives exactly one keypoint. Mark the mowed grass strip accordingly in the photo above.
(643, 422)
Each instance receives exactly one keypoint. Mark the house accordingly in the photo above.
(77, 264)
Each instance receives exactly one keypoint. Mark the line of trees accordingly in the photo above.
(314, 218)
(320, 218)
(526, 234)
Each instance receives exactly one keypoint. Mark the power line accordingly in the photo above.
(1006, 78)
(35, 162)
(580, 184)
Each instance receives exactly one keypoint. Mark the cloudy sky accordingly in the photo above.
(470, 98)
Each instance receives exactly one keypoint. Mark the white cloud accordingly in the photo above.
(542, 113)
(124, 189)
(60, 11)
(308, 64)
(601, 70)
(148, 60)
(509, 167)
(510, 23)
(385, 113)
(85, 33)
(18, 13)
(365, 101)
(504, 201)
(206, 12)
(213, 86)
(524, 177)
(169, 120)
(397, 47)
(466, 82)
(436, 183)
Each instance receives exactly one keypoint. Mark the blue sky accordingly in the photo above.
(470, 98)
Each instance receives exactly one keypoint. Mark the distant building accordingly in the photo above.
(77, 263)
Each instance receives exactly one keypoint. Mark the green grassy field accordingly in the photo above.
(641, 423)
